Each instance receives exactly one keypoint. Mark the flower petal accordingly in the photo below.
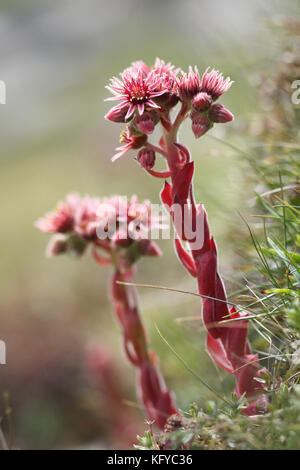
(130, 111)
(141, 108)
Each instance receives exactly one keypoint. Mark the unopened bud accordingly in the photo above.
(121, 238)
(146, 158)
(147, 247)
(200, 125)
(144, 123)
(218, 113)
(201, 102)
(58, 244)
(76, 245)
(117, 115)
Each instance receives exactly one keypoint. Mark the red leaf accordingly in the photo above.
(166, 195)
(217, 351)
(185, 258)
(181, 187)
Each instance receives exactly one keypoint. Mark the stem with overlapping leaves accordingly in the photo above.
(157, 399)
(76, 225)
(147, 97)
(226, 343)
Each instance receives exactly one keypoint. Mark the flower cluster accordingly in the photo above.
(146, 96)
(227, 343)
(114, 225)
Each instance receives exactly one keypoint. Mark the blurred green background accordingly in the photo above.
(56, 58)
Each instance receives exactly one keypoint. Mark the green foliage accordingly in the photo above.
(220, 429)
(146, 442)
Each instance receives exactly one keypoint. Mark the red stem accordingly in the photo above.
(152, 391)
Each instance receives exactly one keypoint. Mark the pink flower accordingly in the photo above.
(161, 68)
(214, 83)
(189, 84)
(137, 67)
(124, 212)
(85, 216)
(131, 141)
(168, 82)
(60, 220)
(75, 215)
(84, 220)
(167, 74)
(140, 212)
(135, 91)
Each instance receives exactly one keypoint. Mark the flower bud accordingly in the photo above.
(218, 113)
(138, 67)
(201, 102)
(200, 125)
(58, 244)
(117, 115)
(148, 248)
(167, 100)
(146, 158)
(144, 123)
(121, 238)
(76, 245)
